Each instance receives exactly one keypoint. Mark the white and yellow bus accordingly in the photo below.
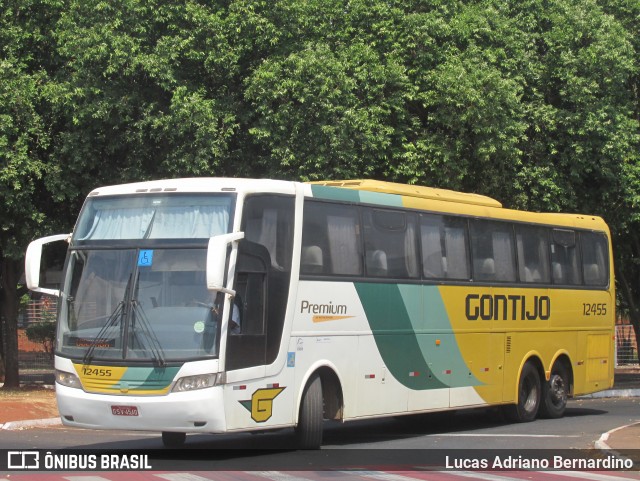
(354, 299)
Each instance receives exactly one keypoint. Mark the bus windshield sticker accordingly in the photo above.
(145, 258)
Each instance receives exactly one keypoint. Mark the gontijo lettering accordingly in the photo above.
(507, 308)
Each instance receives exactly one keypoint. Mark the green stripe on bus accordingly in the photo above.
(414, 336)
(388, 200)
(431, 323)
(393, 333)
(149, 378)
(334, 193)
(351, 195)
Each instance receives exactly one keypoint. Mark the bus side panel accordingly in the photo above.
(484, 353)
(595, 370)
(538, 322)
(328, 325)
(260, 402)
(414, 336)
(377, 391)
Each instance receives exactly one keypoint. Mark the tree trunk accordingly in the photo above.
(9, 277)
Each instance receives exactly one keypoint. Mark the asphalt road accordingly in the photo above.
(582, 426)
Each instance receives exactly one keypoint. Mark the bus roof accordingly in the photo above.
(452, 202)
(413, 191)
(197, 185)
(365, 190)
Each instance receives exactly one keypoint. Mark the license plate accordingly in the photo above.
(124, 410)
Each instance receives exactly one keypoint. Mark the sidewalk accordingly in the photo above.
(37, 407)
(31, 406)
(624, 438)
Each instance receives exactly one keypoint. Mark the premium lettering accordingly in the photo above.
(307, 307)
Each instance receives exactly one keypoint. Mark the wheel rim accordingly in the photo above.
(557, 390)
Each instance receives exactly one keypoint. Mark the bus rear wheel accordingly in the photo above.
(308, 432)
(555, 393)
(529, 395)
(173, 440)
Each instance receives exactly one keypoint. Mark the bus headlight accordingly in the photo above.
(68, 379)
(201, 381)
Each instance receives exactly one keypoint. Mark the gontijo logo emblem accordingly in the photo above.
(261, 403)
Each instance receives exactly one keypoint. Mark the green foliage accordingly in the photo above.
(322, 110)
(534, 102)
(43, 333)
(25, 137)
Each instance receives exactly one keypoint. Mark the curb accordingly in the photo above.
(602, 443)
(612, 393)
(17, 425)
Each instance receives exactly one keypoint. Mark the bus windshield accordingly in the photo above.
(144, 299)
(152, 216)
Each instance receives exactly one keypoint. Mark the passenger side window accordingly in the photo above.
(564, 258)
(595, 259)
(533, 254)
(444, 247)
(390, 244)
(492, 251)
(268, 221)
(330, 240)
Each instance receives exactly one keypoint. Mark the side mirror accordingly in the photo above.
(216, 260)
(32, 261)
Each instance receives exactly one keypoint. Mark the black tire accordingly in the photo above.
(173, 440)
(529, 394)
(555, 393)
(309, 429)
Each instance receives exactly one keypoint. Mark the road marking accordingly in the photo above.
(85, 478)
(181, 477)
(382, 476)
(591, 476)
(486, 476)
(277, 476)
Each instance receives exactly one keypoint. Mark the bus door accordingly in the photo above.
(262, 280)
(247, 343)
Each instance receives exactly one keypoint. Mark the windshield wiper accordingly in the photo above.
(111, 322)
(118, 313)
(152, 343)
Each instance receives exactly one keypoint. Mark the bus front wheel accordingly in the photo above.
(555, 393)
(309, 429)
(529, 395)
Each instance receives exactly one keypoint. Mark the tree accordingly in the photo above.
(44, 333)
(534, 103)
(26, 124)
(149, 90)
(626, 239)
(327, 110)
